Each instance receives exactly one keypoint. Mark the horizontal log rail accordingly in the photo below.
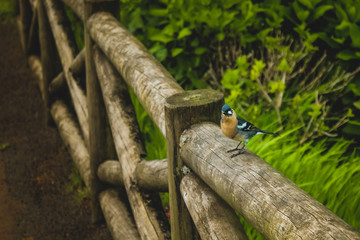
(205, 185)
(268, 200)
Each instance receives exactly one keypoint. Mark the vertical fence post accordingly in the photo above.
(25, 20)
(49, 57)
(96, 111)
(181, 111)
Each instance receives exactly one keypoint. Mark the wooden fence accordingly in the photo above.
(205, 185)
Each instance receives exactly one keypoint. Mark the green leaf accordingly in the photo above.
(220, 36)
(200, 50)
(160, 37)
(256, 69)
(230, 78)
(357, 104)
(184, 33)
(276, 86)
(301, 13)
(284, 66)
(306, 3)
(176, 51)
(157, 12)
(316, 110)
(346, 55)
(355, 35)
(321, 10)
(161, 54)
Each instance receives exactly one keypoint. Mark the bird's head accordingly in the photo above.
(227, 111)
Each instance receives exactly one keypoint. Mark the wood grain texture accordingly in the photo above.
(67, 51)
(96, 119)
(152, 175)
(150, 221)
(110, 172)
(269, 201)
(150, 81)
(213, 218)
(70, 133)
(181, 111)
(118, 217)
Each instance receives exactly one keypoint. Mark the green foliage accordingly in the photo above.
(7, 9)
(155, 142)
(76, 186)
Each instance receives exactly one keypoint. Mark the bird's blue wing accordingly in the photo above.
(243, 125)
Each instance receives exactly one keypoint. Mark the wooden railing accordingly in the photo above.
(205, 185)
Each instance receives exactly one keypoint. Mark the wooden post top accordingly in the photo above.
(193, 98)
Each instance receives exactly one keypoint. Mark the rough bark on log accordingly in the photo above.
(71, 136)
(67, 52)
(151, 223)
(117, 216)
(213, 218)
(269, 201)
(110, 172)
(152, 175)
(150, 81)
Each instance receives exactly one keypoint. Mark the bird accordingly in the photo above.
(236, 128)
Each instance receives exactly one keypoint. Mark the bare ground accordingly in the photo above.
(34, 165)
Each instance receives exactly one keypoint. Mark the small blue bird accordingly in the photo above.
(236, 128)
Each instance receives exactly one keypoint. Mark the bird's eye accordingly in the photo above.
(229, 112)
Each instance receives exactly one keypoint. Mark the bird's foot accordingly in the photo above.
(239, 151)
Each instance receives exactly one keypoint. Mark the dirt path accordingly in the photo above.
(34, 165)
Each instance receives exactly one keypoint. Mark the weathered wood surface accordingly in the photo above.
(152, 175)
(181, 111)
(96, 111)
(269, 201)
(49, 57)
(57, 85)
(110, 172)
(71, 136)
(151, 222)
(77, 69)
(213, 218)
(67, 52)
(35, 65)
(150, 81)
(118, 217)
(149, 175)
